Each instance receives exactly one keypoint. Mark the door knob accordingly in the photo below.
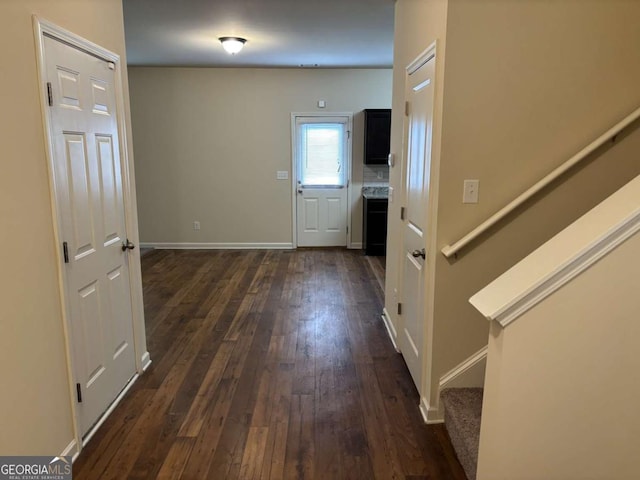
(127, 246)
(300, 191)
(419, 253)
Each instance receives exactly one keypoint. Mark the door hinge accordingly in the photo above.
(399, 310)
(401, 213)
(347, 229)
(50, 94)
(79, 392)
(65, 252)
(406, 109)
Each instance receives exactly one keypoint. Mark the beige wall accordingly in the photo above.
(562, 387)
(209, 142)
(517, 103)
(35, 405)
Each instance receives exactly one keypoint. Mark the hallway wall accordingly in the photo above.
(209, 142)
(35, 411)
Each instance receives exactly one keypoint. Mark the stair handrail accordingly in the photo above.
(452, 249)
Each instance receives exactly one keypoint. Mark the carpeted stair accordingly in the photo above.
(462, 413)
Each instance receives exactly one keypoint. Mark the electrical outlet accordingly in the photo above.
(196, 225)
(471, 191)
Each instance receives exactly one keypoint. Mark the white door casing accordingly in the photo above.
(321, 209)
(418, 141)
(88, 190)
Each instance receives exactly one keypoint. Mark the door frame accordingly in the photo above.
(294, 170)
(41, 29)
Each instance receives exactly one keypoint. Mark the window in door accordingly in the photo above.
(321, 154)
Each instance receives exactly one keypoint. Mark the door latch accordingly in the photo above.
(419, 253)
(127, 245)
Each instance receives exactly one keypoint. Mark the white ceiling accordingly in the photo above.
(279, 33)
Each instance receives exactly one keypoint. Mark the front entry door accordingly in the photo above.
(89, 199)
(321, 151)
(419, 120)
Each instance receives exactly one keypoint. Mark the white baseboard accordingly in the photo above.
(145, 361)
(430, 415)
(469, 373)
(356, 246)
(217, 246)
(391, 331)
(71, 450)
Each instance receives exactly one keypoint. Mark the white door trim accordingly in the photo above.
(44, 28)
(294, 170)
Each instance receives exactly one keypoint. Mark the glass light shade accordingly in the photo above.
(232, 44)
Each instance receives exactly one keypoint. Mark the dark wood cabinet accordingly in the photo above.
(375, 226)
(377, 134)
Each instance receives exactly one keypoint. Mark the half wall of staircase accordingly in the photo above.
(561, 390)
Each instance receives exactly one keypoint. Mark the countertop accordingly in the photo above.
(375, 192)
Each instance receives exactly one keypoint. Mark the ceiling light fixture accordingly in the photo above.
(232, 44)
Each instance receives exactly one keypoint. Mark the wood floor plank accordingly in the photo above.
(175, 461)
(300, 446)
(273, 464)
(194, 419)
(251, 468)
(267, 365)
(383, 446)
(275, 454)
(328, 459)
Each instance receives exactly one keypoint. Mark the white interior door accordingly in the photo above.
(419, 120)
(89, 199)
(321, 152)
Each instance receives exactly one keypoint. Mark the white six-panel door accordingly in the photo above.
(89, 199)
(419, 95)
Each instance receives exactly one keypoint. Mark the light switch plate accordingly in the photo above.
(471, 191)
(282, 175)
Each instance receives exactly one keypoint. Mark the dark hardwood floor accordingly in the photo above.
(378, 266)
(267, 365)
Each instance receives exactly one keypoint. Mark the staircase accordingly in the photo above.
(462, 412)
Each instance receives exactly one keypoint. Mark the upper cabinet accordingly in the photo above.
(377, 134)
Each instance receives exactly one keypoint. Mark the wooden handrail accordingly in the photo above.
(450, 250)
